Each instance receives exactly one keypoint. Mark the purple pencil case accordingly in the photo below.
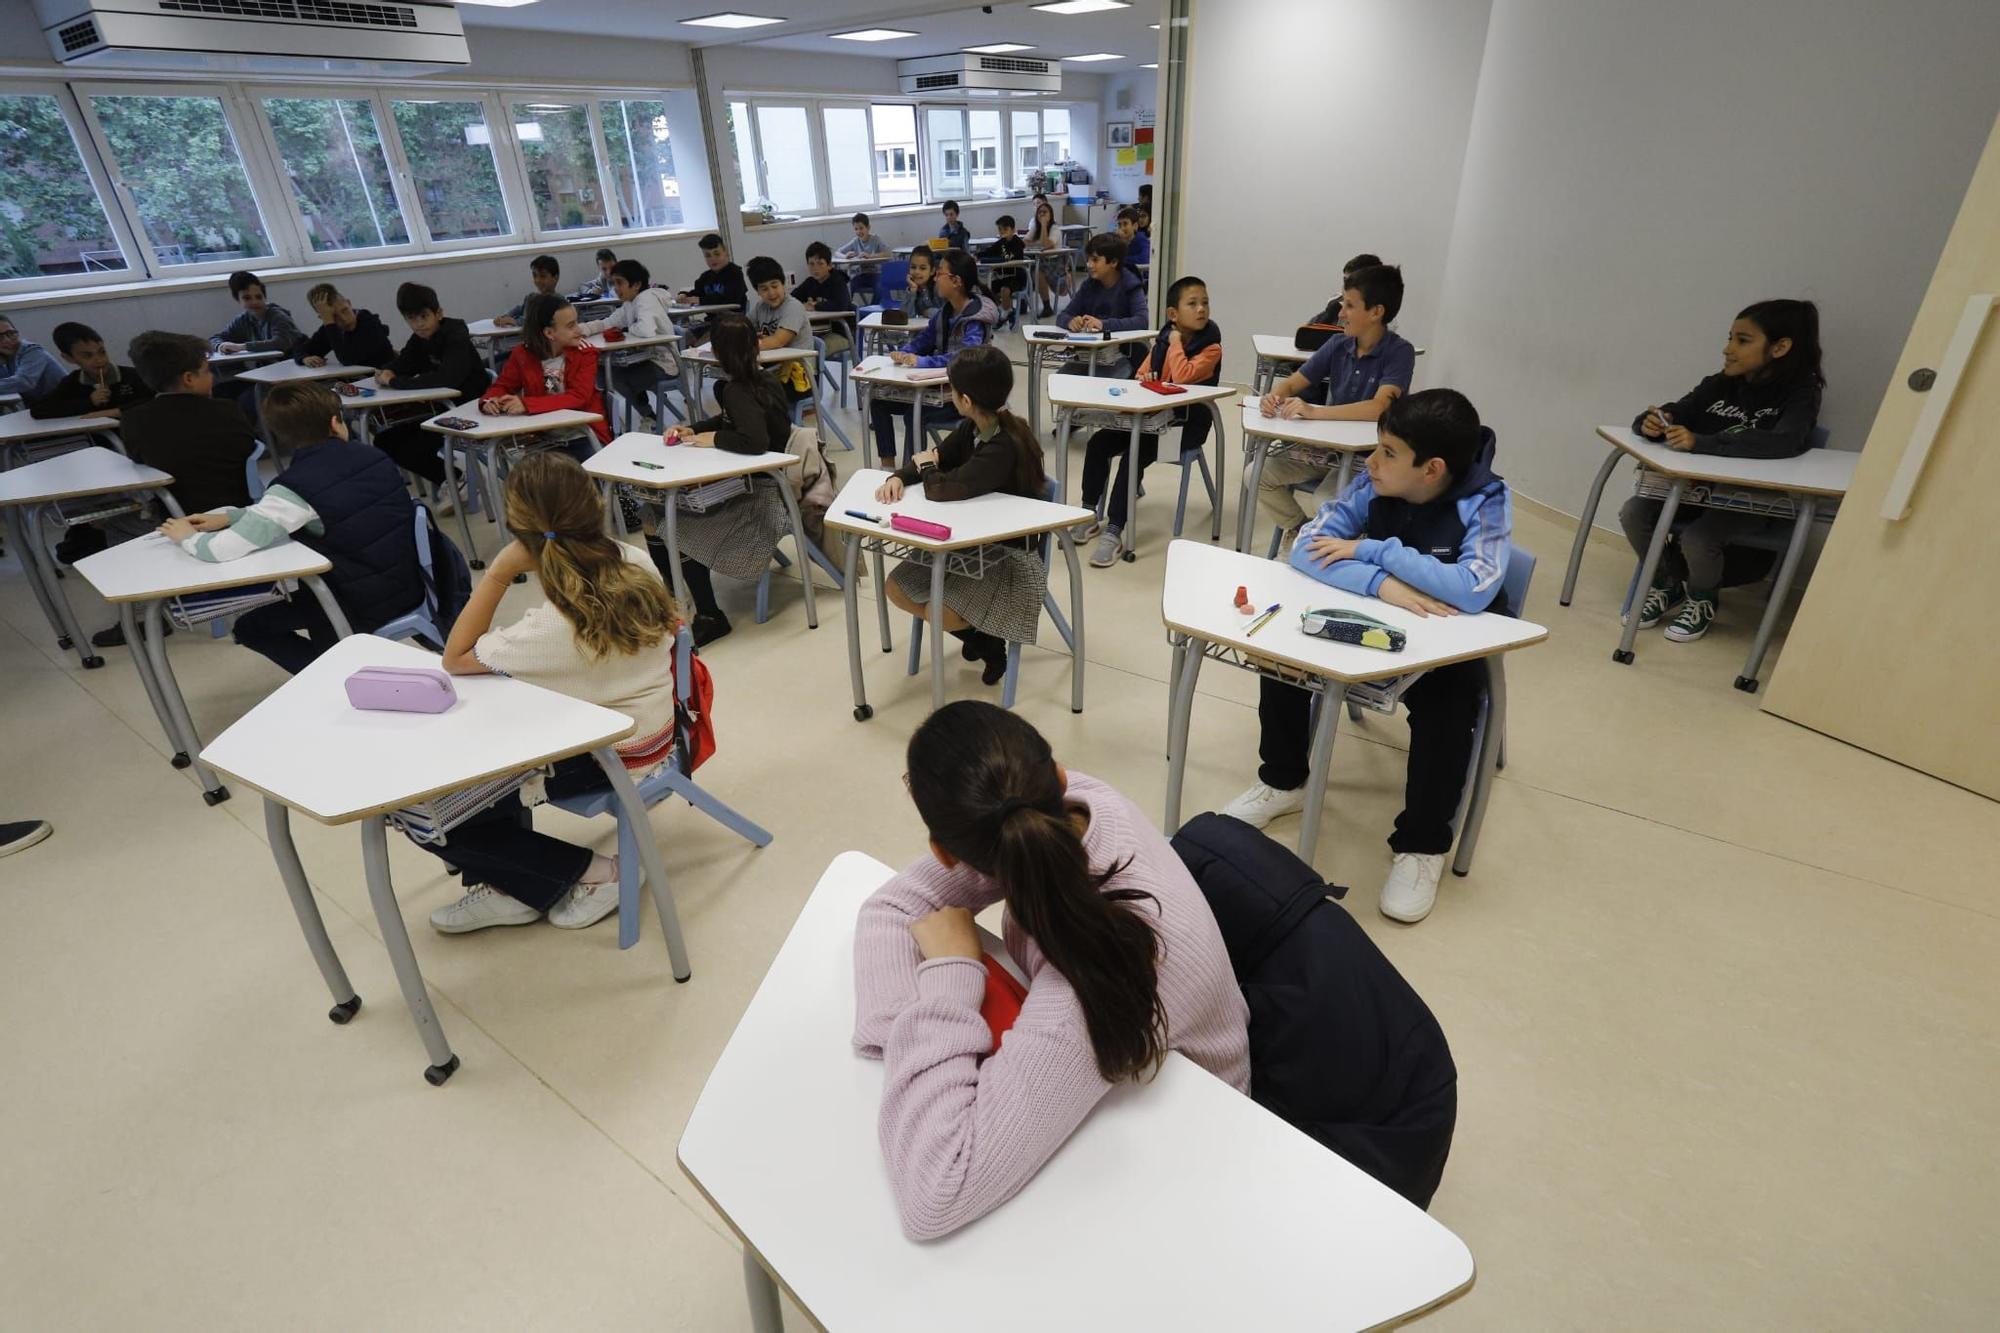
(401, 689)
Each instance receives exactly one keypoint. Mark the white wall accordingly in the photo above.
(1316, 130)
(1139, 90)
(1638, 172)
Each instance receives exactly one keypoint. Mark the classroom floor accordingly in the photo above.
(1721, 992)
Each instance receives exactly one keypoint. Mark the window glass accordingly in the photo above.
(179, 160)
(742, 145)
(556, 145)
(642, 162)
(331, 150)
(785, 143)
(449, 147)
(984, 127)
(850, 167)
(895, 155)
(51, 220)
(1027, 132)
(946, 128)
(1055, 135)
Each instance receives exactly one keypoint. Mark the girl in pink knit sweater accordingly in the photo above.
(1123, 958)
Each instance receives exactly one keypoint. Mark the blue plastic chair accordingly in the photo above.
(671, 780)
(780, 562)
(827, 418)
(422, 620)
(890, 287)
(253, 479)
(1198, 458)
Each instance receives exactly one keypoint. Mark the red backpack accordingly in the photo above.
(694, 726)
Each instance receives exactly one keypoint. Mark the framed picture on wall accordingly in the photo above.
(1118, 133)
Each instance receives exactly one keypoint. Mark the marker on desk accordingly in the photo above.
(650, 467)
(1264, 619)
(864, 516)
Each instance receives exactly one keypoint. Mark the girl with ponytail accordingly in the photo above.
(991, 450)
(604, 634)
(1123, 958)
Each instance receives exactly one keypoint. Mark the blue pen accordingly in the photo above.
(865, 517)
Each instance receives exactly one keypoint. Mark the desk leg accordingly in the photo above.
(1063, 416)
(819, 407)
(1801, 525)
(1034, 389)
(766, 1314)
(882, 598)
(671, 529)
(851, 594)
(1254, 449)
(129, 622)
(1491, 744)
(461, 503)
(117, 441)
(17, 537)
(155, 649)
(38, 564)
(1130, 545)
(915, 443)
(1584, 520)
(1075, 634)
(1654, 549)
(1330, 701)
(634, 808)
(1221, 470)
(1180, 714)
(278, 828)
(324, 597)
(936, 608)
(798, 540)
(396, 939)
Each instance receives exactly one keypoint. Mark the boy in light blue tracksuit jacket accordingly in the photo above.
(1428, 529)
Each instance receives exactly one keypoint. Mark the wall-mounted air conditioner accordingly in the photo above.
(283, 36)
(976, 75)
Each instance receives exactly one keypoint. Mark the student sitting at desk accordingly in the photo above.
(545, 273)
(642, 313)
(342, 499)
(1763, 403)
(605, 636)
(97, 387)
(964, 318)
(26, 369)
(825, 289)
(1112, 301)
(780, 321)
(1138, 245)
(1007, 247)
(552, 369)
(1123, 958)
(992, 450)
(954, 233)
(721, 283)
(865, 243)
(921, 298)
(737, 538)
(439, 355)
(600, 288)
(351, 337)
(261, 326)
(184, 430)
(1330, 313)
(1051, 274)
(1364, 369)
(1188, 351)
(1426, 529)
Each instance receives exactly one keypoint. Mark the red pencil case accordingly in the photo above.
(922, 527)
(1161, 386)
(1002, 1002)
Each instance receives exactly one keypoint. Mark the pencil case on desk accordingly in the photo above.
(922, 527)
(401, 690)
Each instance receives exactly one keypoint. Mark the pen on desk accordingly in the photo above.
(650, 467)
(865, 516)
(1264, 619)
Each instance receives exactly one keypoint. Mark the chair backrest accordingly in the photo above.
(895, 278)
(424, 564)
(251, 477)
(1816, 438)
(1520, 573)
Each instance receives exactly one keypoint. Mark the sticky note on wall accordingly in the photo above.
(1143, 135)
(1126, 156)
(1145, 152)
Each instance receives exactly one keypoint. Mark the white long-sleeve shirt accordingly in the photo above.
(644, 316)
(273, 519)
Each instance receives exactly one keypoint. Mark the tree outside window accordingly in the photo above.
(179, 160)
(51, 220)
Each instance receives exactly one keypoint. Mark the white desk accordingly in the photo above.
(29, 492)
(233, 359)
(371, 407)
(291, 372)
(973, 523)
(488, 330)
(1198, 606)
(649, 461)
(140, 576)
(698, 309)
(1227, 1217)
(879, 338)
(1081, 400)
(1335, 443)
(878, 376)
(306, 748)
(19, 430)
(487, 432)
(631, 342)
(1805, 488)
(1277, 354)
(1044, 351)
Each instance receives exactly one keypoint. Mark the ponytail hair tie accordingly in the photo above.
(1010, 805)
(548, 536)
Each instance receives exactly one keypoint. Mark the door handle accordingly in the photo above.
(1971, 321)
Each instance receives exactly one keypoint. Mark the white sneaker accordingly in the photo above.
(585, 905)
(1412, 886)
(448, 502)
(481, 907)
(1261, 804)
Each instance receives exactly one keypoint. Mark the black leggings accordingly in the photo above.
(1107, 445)
(413, 448)
(499, 845)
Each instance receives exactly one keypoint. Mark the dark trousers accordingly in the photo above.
(413, 448)
(274, 631)
(885, 415)
(1107, 445)
(1443, 707)
(499, 846)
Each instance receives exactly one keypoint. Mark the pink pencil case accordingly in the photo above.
(922, 527)
(401, 689)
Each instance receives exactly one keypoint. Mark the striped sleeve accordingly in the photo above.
(271, 520)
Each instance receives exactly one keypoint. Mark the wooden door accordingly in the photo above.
(1896, 647)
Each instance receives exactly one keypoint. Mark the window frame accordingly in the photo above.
(600, 156)
(401, 183)
(512, 177)
(609, 166)
(137, 251)
(829, 203)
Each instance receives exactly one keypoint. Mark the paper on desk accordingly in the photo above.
(870, 364)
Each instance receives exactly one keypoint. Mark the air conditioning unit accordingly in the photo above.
(979, 76)
(282, 36)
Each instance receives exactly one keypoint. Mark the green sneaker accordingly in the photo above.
(1660, 599)
(1694, 619)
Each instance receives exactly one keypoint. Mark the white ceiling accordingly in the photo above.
(1124, 31)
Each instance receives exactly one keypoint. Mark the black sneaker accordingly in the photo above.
(115, 636)
(707, 629)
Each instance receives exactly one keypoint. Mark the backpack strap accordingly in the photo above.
(1282, 923)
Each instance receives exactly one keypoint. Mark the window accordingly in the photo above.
(560, 152)
(984, 135)
(945, 128)
(742, 145)
(449, 147)
(850, 174)
(332, 155)
(896, 127)
(178, 160)
(641, 162)
(51, 220)
(784, 149)
(1041, 141)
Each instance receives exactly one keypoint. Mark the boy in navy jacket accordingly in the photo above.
(1112, 301)
(1427, 530)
